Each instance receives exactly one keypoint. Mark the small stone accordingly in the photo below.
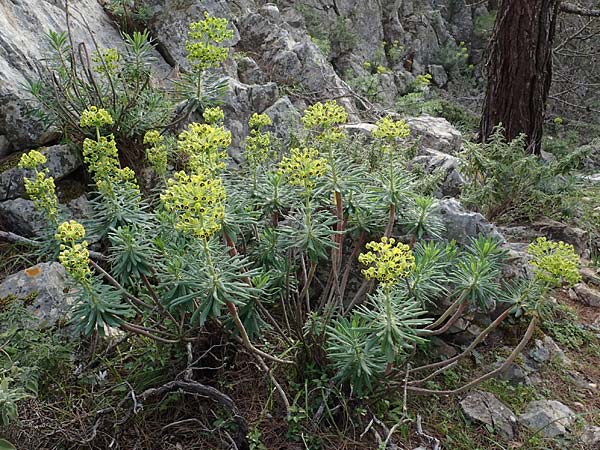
(590, 275)
(484, 407)
(591, 436)
(587, 295)
(544, 350)
(462, 225)
(550, 417)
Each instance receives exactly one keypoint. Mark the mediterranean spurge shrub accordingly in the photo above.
(266, 252)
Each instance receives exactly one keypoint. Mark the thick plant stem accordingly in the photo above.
(444, 316)
(468, 350)
(518, 349)
(236, 317)
(391, 221)
(451, 321)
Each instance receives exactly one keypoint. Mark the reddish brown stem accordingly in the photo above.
(518, 349)
(391, 221)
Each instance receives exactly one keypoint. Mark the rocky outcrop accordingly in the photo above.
(462, 225)
(23, 44)
(42, 290)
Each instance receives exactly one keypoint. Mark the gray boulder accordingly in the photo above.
(550, 417)
(62, 160)
(20, 216)
(545, 350)
(587, 295)
(462, 225)
(484, 407)
(435, 133)
(559, 231)
(42, 290)
(285, 118)
(23, 24)
(435, 161)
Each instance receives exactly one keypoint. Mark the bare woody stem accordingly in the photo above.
(518, 349)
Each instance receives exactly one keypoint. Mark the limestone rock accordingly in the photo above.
(23, 24)
(484, 407)
(436, 133)
(62, 160)
(285, 118)
(20, 215)
(550, 417)
(42, 289)
(436, 161)
(462, 225)
(591, 436)
(559, 231)
(438, 75)
(587, 295)
(545, 350)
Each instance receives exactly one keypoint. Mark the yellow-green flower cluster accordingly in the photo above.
(198, 201)
(31, 160)
(389, 262)
(258, 142)
(74, 256)
(40, 188)
(389, 130)
(554, 263)
(213, 116)
(326, 116)
(70, 231)
(259, 121)
(153, 137)
(205, 146)
(75, 259)
(101, 158)
(203, 35)
(157, 153)
(95, 117)
(303, 167)
(422, 82)
(106, 60)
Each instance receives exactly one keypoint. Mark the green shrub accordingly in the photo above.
(555, 263)
(508, 184)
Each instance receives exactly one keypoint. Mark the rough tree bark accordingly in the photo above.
(519, 69)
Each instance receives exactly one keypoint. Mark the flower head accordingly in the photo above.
(106, 60)
(303, 167)
(258, 142)
(75, 259)
(389, 262)
(205, 146)
(198, 201)
(153, 137)
(259, 121)
(42, 190)
(95, 117)
(31, 160)
(202, 37)
(70, 231)
(213, 115)
(555, 263)
(390, 130)
(324, 115)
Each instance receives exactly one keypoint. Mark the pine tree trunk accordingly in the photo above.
(519, 69)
